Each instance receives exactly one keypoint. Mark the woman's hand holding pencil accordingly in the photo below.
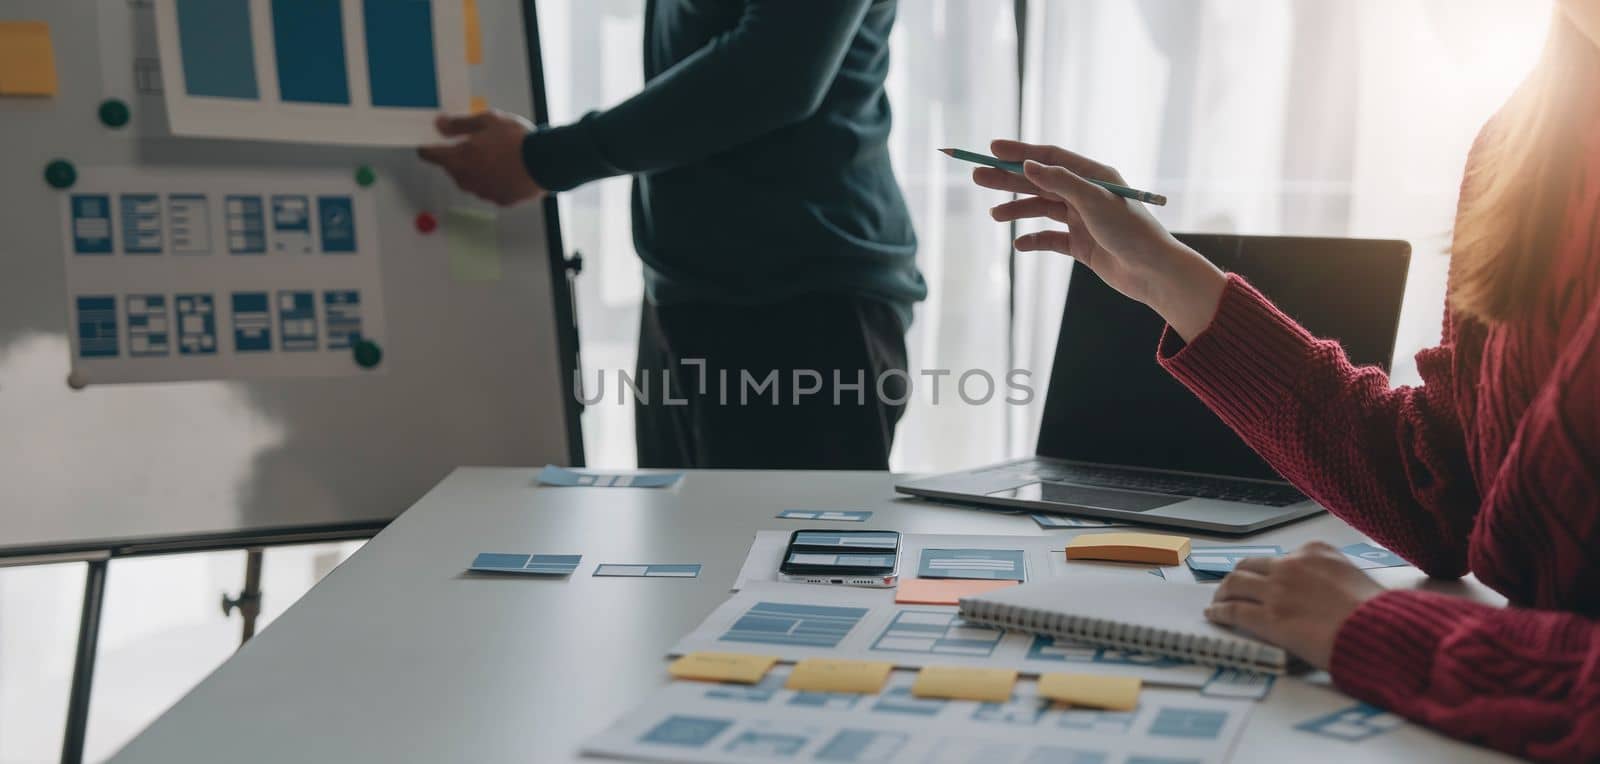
(1115, 237)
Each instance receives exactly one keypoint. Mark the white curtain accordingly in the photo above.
(1301, 117)
(952, 82)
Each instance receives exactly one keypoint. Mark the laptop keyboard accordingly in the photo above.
(1248, 492)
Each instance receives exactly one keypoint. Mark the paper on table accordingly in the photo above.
(943, 591)
(474, 241)
(983, 564)
(837, 675)
(722, 667)
(1213, 563)
(193, 274)
(27, 60)
(798, 621)
(965, 683)
(1371, 556)
(761, 564)
(647, 570)
(835, 515)
(1112, 693)
(226, 75)
(526, 564)
(730, 724)
(562, 477)
(1068, 521)
(1237, 683)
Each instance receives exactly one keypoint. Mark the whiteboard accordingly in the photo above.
(474, 372)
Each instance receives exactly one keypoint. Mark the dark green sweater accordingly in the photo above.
(759, 147)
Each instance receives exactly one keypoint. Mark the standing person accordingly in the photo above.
(779, 257)
(1492, 466)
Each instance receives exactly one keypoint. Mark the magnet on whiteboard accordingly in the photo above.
(426, 222)
(365, 176)
(60, 174)
(76, 380)
(114, 113)
(367, 354)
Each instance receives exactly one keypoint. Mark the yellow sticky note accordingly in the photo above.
(474, 32)
(944, 591)
(479, 104)
(722, 667)
(27, 60)
(1148, 548)
(474, 241)
(826, 675)
(962, 683)
(1112, 693)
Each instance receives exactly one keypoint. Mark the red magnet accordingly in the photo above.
(426, 222)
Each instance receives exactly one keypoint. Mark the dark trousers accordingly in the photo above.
(725, 364)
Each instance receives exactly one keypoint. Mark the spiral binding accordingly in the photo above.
(1214, 651)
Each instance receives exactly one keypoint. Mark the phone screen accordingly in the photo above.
(841, 553)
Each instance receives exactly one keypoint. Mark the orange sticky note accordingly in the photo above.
(27, 60)
(828, 675)
(1112, 693)
(722, 667)
(1148, 548)
(479, 104)
(943, 591)
(963, 683)
(474, 31)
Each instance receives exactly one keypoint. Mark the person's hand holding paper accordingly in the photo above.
(487, 161)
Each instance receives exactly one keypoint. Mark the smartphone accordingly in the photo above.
(849, 558)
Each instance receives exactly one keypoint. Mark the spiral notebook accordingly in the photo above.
(1165, 619)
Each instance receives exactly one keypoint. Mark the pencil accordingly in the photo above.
(1016, 167)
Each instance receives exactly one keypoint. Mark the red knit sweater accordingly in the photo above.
(1491, 466)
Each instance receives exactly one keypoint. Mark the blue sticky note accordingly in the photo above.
(1369, 556)
(529, 564)
(1352, 725)
(561, 476)
(648, 570)
(992, 564)
(839, 515)
(1213, 563)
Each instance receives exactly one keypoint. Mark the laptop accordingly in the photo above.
(1121, 439)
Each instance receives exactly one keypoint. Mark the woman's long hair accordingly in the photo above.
(1515, 196)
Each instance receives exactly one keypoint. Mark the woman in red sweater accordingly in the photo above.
(1492, 466)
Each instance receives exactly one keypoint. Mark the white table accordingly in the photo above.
(400, 656)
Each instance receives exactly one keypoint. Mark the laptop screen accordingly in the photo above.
(1109, 402)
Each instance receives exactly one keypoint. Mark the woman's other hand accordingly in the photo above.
(1115, 237)
(1297, 602)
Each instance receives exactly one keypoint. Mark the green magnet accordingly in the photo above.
(365, 176)
(367, 354)
(60, 174)
(114, 113)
